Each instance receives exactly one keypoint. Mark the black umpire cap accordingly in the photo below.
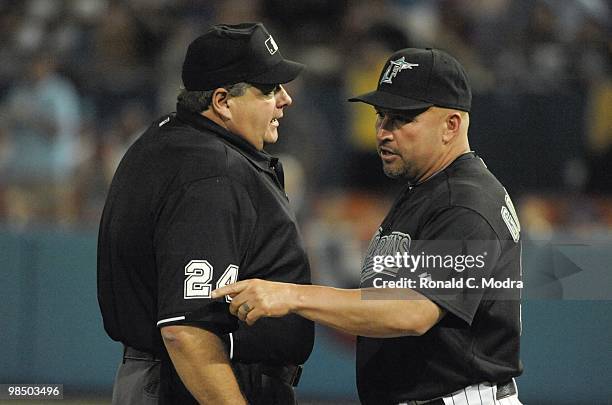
(229, 54)
(414, 79)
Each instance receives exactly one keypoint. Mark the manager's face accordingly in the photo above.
(255, 114)
(409, 143)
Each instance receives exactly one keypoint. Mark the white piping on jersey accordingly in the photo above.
(176, 318)
(164, 122)
(231, 349)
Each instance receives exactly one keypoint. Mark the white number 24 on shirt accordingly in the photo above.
(199, 274)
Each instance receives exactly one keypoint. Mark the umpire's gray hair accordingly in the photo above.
(198, 101)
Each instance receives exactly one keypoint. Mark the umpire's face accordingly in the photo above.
(411, 144)
(255, 114)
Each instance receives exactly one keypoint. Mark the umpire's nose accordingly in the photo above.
(283, 99)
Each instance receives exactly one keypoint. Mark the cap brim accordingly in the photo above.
(391, 101)
(283, 72)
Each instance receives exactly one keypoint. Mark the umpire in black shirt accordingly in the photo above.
(196, 204)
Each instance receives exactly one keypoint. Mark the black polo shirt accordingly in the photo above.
(190, 208)
(461, 212)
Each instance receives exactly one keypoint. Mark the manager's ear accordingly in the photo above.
(453, 125)
(219, 103)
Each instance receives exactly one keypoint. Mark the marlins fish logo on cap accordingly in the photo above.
(396, 66)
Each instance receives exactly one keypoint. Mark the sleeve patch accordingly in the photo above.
(510, 218)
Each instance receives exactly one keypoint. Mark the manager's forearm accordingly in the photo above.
(200, 360)
(366, 312)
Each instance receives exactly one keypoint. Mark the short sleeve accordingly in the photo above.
(202, 235)
(458, 249)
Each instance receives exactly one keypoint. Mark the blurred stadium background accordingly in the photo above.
(81, 79)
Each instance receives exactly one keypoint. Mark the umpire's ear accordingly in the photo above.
(219, 103)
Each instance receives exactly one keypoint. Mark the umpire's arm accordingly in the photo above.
(200, 359)
(212, 238)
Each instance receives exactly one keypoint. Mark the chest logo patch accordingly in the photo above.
(388, 245)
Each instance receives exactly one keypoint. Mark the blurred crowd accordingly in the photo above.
(81, 79)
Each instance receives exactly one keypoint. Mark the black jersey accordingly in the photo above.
(460, 217)
(193, 207)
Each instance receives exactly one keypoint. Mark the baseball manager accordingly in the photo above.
(197, 204)
(439, 331)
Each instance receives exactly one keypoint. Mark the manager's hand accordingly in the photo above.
(255, 298)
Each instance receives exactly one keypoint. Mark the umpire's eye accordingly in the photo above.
(268, 89)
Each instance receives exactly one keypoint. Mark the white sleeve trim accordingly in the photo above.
(231, 351)
(176, 318)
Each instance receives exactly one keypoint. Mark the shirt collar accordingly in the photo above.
(464, 156)
(261, 159)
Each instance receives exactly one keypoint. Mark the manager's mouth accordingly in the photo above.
(386, 152)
